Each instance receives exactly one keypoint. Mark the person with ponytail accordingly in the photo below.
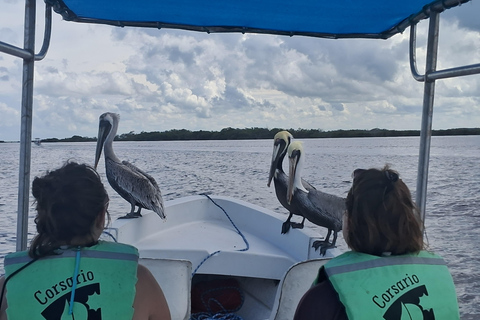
(388, 274)
(68, 273)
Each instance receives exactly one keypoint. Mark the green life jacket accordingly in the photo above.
(105, 284)
(414, 286)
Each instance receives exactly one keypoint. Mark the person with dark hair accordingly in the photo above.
(388, 274)
(67, 271)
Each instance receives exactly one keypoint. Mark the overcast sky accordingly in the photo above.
(159, 80)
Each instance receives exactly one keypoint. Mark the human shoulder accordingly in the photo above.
(143, 274)
(320, 302)
(146, 283)
(150, 302)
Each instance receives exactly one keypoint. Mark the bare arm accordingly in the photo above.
(149, 300)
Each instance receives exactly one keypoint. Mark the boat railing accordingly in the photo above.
(431, 74)
(29, 57)
(27, 53)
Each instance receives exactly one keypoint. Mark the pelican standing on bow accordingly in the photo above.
(131, 183)
(323, 209)
(280, 145)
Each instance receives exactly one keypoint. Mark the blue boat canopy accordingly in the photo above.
(317, 18)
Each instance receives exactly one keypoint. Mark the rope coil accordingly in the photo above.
(218, 316)
(247, 245)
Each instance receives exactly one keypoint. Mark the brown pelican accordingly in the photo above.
(323, 209)
(131, 183)
(280, 145)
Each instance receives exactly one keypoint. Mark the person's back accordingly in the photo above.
(388, 275)
(69, 273)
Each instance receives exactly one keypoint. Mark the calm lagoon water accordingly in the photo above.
(240, 169)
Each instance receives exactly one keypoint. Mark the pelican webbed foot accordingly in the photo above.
(285, 227)
(295, 225)
(131, 215)
(323, 245)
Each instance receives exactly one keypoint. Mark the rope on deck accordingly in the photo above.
(218, 316)
(247, 245)
(106, 233)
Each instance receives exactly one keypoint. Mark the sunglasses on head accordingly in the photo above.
(390, 175)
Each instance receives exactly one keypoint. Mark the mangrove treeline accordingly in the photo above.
(263, 133)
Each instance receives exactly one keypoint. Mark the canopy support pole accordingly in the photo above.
(27, 53)
(427, 115)
(26, 126)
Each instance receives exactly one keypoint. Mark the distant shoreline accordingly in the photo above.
(263, 133)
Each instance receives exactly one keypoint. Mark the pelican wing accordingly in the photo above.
(329, 205)
(146, 190)
(132, 183)
(146, 175)
(307, 185)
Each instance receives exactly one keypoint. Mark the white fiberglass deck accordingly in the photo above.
(196, 227)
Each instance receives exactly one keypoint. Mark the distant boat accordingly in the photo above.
(38, 141)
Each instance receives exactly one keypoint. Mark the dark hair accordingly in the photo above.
(381, 215)
(69, 200)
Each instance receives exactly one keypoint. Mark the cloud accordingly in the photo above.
(9, 115)
(4, 74)
(171, 79)
(466, 16)
(337, 106)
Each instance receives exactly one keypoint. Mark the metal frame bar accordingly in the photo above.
(436, 74)
(429, 77)
(47, 33)
(15, 51)
(27, 53)
(26, 126)
(426, 128)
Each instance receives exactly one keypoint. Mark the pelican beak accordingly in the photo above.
(293, 160)
(277, 152)
(103, 131)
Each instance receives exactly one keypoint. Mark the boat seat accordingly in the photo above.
(297, 280)
(174, 277)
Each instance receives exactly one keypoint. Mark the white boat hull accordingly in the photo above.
(198, 240)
